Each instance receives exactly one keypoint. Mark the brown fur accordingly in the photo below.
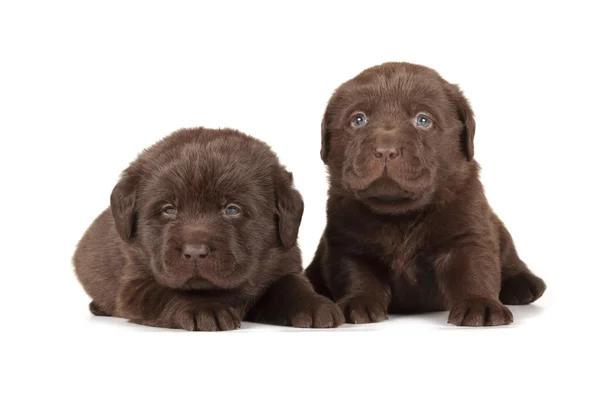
(199, 268)
(409, 228)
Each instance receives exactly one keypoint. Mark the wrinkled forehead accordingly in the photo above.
(393, 89)
(211, 177)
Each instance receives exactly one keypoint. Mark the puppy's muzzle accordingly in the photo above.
(394, 150)
(197, 245)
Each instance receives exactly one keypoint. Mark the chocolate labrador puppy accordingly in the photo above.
(409, 228)
(201, 234)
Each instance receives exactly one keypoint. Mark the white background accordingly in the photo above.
(84, 88)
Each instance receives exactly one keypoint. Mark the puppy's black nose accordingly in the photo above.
(195, 251)
(386, 153)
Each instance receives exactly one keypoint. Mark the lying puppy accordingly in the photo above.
(409, 228)
(201, 234)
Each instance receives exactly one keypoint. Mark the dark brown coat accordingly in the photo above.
(201, 234)
(408, 226)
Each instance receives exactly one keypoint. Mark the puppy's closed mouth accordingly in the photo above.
(198, 283)
(386, 191)
(388, 200)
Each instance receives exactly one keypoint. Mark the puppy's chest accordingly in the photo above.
(400, 247)
(406, 254)
(412, 275)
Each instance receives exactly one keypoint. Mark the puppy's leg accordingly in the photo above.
(362, 294)
(519, 285)
(291, 301)
(314, 273)
(143, 301)
(469, 279)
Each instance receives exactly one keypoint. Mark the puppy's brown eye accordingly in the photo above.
(358, 120)
(169, 210)
(232, 210)
(423, 121)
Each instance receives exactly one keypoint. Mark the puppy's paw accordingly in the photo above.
(204, 317)
(480, 312)
(319, 312)
(362, 309)
(521, 289)
(97, 310)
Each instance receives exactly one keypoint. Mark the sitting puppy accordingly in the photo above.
(409, 228)
(201, 234)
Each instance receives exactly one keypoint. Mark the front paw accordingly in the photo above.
(200, 317)
(362, 309)
(318, 312)
(480, 312)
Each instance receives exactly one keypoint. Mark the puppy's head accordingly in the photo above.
(397, 135)
(204, 206)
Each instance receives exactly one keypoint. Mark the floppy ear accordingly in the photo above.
(465, 113)
(122, 204)
(290, 208)
(325, 136)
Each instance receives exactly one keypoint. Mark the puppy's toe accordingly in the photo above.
(498, 316)
(227, 319)
(206, 320)
(317, 313)
(184, 319)
(360, 310)
(302, 319)
(216, 319)
(521, 289)
(96, 310)
(327, 315)
(480, 312)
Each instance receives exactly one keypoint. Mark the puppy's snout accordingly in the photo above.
(195, 252)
